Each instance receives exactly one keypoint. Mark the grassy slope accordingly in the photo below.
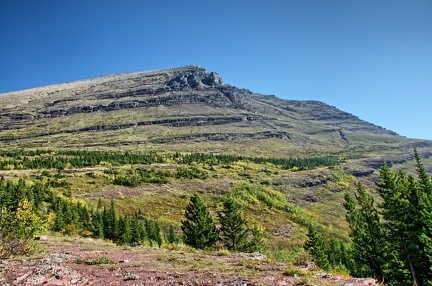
(265, 190)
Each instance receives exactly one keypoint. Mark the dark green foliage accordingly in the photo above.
(367, 234)
(138, 176)
(318, 247)
(233, 226)
(340, 254)
(199, 230)
(407, 209)
(190, 173)
(398, 248)
(75, 218)
(153, 232)
(171, 238)
(138, 230)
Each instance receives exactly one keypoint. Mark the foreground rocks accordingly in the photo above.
(78, 261)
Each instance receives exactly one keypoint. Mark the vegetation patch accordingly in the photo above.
(100, 260)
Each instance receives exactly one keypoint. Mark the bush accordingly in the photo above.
(18, 229)
(291, 270)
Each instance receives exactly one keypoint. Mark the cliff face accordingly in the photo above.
(188, 106)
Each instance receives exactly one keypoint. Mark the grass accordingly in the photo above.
(100, 260)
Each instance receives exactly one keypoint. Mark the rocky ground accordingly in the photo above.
(79, 261)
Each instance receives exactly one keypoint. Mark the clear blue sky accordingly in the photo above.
(372, 58)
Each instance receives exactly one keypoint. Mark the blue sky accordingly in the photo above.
(371, 58)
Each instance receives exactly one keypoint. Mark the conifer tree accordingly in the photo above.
(97, 222)
(199, 230)
(157, 232)
(138, 231)
(233, 226)
(126, 230)
(110, 222)
(317, 246)
(407, 209)
(153, 232)
(367, 234)
(172, 238)
(424, 226)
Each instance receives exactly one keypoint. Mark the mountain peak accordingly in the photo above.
(185, 107)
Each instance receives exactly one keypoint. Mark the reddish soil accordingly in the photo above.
(64, 263)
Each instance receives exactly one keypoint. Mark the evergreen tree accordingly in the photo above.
(138, 232)
(157, 232)
(172, 238)
(233, 226)
(318, 247)
(199, 230)
(110, 223)
(153, 232)
(97, 222)
(335, 254)
(407, 210)
(126, 230)
(367, 234)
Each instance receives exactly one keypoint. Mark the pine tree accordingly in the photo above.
(157, 233)
(153, 231)
(97, 224)
(138, 232)
(110, 223)
(172, 238)
(423, 258)
(233, 226)
(318, 247)
(126, 230)
(367, 234)
(199, 230)
(407, 209)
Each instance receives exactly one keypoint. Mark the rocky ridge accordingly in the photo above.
(179, 101)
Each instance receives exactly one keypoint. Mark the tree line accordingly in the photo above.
(63, 159)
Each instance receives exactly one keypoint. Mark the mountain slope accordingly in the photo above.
(190, 110)
(183, 109)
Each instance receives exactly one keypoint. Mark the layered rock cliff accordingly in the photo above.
(186, 105)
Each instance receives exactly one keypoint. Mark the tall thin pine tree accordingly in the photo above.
(233, 226)
(199, 230)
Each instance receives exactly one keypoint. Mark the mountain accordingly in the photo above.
(131, 140)
(181, 109)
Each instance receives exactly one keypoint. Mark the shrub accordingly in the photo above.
(291, 270)
(18, 229)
